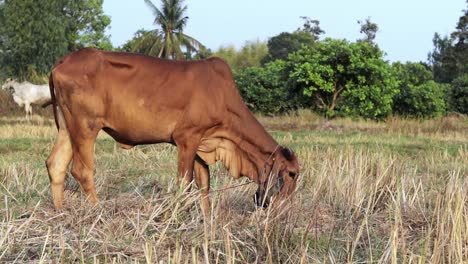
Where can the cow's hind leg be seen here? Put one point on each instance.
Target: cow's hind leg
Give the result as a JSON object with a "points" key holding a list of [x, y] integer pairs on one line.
{"points": [[83, 166], [83, 135], [202, 178], [57, 164], [30, 111]]}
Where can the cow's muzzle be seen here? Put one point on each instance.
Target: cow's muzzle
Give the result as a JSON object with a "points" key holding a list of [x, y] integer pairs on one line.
{"points": [[260, 199]]}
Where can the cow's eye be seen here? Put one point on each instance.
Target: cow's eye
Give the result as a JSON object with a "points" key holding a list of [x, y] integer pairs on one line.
{"points": [[292, 174]]}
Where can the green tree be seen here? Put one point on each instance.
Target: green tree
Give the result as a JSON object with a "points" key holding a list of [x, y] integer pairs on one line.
{"points": [[86, 24], [200, 54], [420, 95], [459, 95], [172, 20], [460, 35], [34, 34], [460, 40], [351, 78], [311, 26], [449, 59], [449, 63], [280, 46], [31, 41], [249, 55], [369, 29], [144, 42], [264, 88], [443, 59], [229, 54]]}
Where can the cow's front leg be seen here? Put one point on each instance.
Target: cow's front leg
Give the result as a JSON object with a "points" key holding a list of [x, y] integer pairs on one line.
{"points": [[202, 178], [186, 156], [26, 109], [187, 145]]}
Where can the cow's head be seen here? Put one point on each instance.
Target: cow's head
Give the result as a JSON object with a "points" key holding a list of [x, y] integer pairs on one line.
{"points": [[8, 85], [280, 181]]}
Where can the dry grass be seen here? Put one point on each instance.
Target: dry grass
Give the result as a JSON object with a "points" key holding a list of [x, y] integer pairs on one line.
{"points": [[455, 125], [393, 192]]}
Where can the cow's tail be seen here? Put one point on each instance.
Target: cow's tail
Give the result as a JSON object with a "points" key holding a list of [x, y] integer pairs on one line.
{"points": [[52, 99], [47, 103]]}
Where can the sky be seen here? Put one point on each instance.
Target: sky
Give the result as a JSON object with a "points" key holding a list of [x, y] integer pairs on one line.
{"points": [[406, 27]]}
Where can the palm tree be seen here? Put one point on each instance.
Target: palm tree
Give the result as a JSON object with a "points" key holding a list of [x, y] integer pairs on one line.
{"points": [[172, 21], [147, 42]]}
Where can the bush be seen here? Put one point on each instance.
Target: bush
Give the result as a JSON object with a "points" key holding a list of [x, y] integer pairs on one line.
{"points": [[420, 95], [458, 96], [263, 88]]}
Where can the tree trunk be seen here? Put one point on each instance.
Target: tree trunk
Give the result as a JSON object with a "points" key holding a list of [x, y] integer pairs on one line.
{"points": [[336, 93], [161, 51]]}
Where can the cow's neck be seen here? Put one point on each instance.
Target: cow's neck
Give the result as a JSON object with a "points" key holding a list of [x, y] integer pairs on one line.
{"points": [[252, 138], [18, 87]]}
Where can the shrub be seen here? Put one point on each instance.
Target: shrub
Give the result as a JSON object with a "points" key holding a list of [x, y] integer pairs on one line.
{"points": [[458, 96], [420, 95], [263, 88]]}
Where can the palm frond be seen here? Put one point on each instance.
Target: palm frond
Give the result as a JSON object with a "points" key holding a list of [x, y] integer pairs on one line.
{"points": [[192, 42], [176, 44], [153, 8], [170, 17], [148, 43]]}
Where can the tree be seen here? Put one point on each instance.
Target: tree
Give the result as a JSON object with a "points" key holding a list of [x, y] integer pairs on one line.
{"points": [[459, 95], [147, 42], [443, 59], [264, 89], [200, 54], [343, 77], [449, 62], [86, 24], [172, 20], [311, 26], [250, 54], [229, 54], [369, 29], [449, 58], [460, 40], [280, 46], [460, 35], [31, 42], [419, 95]]}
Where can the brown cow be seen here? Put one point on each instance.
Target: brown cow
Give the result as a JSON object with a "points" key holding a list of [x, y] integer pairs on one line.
{"points": [[144, 100]]}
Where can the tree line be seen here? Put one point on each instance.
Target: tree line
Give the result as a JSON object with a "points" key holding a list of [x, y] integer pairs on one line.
{"points": [[337, 77], [297, 69]]}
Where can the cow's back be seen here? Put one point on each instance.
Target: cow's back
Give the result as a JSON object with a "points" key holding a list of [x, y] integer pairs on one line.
{"points": [[143, 99]]}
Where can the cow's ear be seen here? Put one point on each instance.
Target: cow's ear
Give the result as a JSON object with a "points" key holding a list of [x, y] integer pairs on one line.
{"points": [[287, 153]]}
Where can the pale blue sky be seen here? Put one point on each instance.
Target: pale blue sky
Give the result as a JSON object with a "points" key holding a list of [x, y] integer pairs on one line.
{"points": [[406, 26]]}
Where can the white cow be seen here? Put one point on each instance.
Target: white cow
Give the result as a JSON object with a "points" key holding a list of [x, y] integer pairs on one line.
{"points": [[26, 93]]}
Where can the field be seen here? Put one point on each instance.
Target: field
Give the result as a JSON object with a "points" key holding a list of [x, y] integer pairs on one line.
{"points": [[388, 192]]}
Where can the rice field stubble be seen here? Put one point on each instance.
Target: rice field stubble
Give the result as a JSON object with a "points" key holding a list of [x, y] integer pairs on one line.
{"points": [[392, 192]]}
